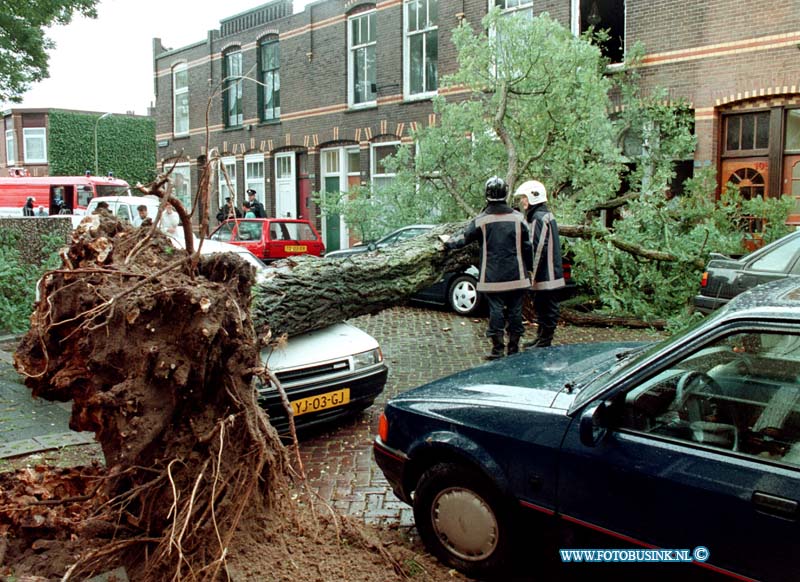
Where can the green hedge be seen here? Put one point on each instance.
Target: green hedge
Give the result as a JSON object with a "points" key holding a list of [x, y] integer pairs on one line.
{"points": [[125, 145]]}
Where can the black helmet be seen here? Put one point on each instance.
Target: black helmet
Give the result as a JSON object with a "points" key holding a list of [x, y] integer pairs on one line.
{"points": [[496, 189]]}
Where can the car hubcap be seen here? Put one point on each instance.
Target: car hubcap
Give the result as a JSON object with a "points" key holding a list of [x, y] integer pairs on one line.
{"points": [[464, 296], [465, 524]]}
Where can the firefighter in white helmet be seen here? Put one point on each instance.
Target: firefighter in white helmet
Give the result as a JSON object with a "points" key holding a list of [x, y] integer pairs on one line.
{"points": [[548, 270]]}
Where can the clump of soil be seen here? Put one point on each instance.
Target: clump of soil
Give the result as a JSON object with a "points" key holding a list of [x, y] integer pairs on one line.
{"points": [[156, 349]]}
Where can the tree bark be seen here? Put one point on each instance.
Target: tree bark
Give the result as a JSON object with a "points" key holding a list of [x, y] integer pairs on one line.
{"points": [[587, 232], [306, 293]]}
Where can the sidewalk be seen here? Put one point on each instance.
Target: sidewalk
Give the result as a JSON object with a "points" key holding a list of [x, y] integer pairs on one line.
{"points": [[28, 425]]}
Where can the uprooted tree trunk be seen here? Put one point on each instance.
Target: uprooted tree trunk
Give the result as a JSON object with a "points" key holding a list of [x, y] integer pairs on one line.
{"points": [[310, 293], [157, 350]]}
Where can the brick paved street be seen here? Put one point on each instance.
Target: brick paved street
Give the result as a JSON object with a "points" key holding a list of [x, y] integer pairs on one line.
{"points": [[419, 345]]}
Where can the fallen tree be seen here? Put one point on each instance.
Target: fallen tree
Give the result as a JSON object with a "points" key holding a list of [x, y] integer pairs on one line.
{"points": [[156, 349]]}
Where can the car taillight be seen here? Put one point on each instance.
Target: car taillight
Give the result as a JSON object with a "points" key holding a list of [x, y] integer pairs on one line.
{"points": [[383, 427], [567, 268], [704, 280]]}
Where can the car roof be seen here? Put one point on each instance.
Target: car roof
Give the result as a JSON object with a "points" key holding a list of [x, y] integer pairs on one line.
{"points": [[146, 200], [774, 300]]}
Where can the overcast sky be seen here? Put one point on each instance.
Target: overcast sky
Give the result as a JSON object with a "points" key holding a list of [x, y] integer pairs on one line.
{"points": [[106, 64]]}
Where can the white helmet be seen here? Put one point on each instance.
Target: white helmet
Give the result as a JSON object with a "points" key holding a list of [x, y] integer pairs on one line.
{"points": [[534, 191]]}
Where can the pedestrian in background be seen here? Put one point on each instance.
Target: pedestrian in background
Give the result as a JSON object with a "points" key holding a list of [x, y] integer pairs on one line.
{"points": [[228, 211], [505, 262], [169, 220], [27, 210], [548, 268], [254, 205], [141, 211]]}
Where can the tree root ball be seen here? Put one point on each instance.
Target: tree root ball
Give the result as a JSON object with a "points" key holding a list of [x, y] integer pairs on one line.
{"points": [[156, 350]]}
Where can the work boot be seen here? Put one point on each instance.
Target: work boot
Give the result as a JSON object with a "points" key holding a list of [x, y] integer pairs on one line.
{"points": [[545, 339], [513, 344], [534, 343], [497, 348]]}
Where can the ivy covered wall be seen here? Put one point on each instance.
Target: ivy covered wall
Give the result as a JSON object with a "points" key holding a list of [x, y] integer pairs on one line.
{"points": [[125, 145]]}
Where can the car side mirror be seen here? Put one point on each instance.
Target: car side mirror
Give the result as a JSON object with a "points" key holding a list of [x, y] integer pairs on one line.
{"points": [[372, 246], [593, 425]]}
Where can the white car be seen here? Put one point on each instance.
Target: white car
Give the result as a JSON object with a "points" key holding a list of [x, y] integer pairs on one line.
{"points": [[123, 207], [328, 374]]}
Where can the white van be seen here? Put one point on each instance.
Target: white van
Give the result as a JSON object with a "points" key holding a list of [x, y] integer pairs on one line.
{"points": [[124, 207]]}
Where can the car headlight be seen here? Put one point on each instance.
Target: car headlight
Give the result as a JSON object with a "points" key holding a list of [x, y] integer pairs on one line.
{"points": [[367, 359]]}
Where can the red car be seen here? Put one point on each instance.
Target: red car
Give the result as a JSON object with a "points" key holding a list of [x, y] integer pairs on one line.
{"points": [[271, 238]]}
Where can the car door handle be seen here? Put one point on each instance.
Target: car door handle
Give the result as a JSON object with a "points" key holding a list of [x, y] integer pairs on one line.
{"points": [[774, 505]]}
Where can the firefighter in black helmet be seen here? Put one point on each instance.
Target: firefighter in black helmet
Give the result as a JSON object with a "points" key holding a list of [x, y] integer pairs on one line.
{"points": [[505, 263]]}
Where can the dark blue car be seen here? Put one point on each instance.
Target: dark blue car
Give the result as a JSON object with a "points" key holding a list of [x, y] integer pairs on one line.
{"points": [[690, 444]]}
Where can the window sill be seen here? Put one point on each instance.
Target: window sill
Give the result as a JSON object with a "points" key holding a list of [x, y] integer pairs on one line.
{"points": [[419, 97], [745, 153], [236, 128], [362, 107], [180, 136], [269, 122], [35, 162]]}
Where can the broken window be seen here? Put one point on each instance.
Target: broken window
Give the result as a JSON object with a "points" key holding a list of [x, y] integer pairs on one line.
{"points": [[607, 16]]}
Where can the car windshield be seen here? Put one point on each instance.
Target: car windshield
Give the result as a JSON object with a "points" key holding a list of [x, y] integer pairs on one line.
{"points": [[112, 190], [590, 387]]}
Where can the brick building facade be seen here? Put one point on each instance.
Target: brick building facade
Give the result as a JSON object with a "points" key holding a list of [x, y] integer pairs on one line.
{"points": [[327, 92], [27, 133], [24, 147]]}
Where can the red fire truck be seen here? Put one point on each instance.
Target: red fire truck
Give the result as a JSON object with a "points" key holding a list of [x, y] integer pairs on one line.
{"points": [[56, 194]]}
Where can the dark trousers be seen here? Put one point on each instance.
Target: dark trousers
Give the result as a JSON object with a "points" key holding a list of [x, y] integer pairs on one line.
{"points": [[505, 308], [545, 303]]}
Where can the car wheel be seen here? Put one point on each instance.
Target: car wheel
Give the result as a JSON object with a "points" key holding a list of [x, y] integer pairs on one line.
{"points": [[461, 519], [462, 295]]}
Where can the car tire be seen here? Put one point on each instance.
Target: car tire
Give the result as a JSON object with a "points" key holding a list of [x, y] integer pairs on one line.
{"points": [[462, 520], [462, 295]]}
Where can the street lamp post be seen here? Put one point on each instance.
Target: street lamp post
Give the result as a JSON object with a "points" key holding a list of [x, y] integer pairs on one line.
{"points": [[96, 123]]}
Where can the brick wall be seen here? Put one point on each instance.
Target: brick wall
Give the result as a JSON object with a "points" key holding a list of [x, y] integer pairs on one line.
{"points": [[712, 53]]}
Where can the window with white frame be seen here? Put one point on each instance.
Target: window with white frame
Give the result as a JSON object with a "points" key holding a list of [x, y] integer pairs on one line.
{"points": [[421, 48], [181, 182], [227, 179], [35, 145], [11, 148], [254, 175], [232, 92], [361, 41], [269, 56], [381, 175], [180, 100], [522, 7]]}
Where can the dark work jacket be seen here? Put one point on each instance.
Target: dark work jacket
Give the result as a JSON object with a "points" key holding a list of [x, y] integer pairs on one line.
{"points": [[27, 210], [548, 268], [505, 248], [258, 209]]}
